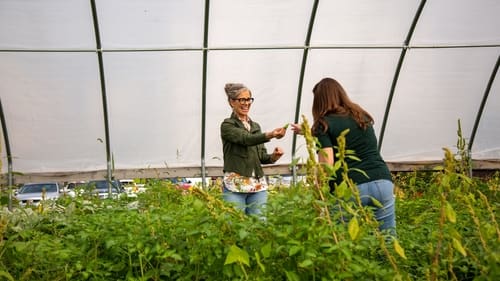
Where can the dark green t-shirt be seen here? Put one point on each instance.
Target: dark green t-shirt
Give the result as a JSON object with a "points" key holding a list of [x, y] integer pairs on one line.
{"points": [[364, 145]]}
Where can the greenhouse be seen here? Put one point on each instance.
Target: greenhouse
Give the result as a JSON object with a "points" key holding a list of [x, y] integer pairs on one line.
{"points": [[124, 89], [138, 85]]}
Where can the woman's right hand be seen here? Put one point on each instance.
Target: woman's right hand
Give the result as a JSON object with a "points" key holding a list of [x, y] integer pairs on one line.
{"points": [[297, 128], [279, 132]]}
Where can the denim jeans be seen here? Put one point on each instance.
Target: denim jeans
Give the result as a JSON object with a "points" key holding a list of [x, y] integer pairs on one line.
{"points": [[251, 203], [383, 192]]}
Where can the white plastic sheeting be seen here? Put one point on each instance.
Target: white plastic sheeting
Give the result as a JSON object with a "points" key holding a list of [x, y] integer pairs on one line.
{"points": [[153, 70]]}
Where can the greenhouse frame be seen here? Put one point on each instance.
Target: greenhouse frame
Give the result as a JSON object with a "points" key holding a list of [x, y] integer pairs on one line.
{"points": [[135, 89]]}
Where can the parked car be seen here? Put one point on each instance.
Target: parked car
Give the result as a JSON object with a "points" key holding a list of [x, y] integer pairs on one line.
{"points": [[73, 188], [101, 188], [33, 193], [131, 187], [181, 183]]}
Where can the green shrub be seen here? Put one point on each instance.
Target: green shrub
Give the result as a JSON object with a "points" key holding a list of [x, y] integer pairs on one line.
{"points": [[447, 230]]}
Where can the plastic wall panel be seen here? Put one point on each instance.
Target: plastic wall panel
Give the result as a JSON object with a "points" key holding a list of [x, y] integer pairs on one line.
{"points": [[365, 74], [47, 24], [436, 88], [53, 106], [241, 23], [53, 109], [127, 24], [155, 120], [271, 76], [458, 22], [361, 23]]}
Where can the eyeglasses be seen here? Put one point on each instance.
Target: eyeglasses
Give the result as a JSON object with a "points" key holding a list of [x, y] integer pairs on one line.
{"points": [[242, 100]]}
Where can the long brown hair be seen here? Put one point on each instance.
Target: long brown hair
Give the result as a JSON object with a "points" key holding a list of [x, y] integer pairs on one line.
{"points": [[331, 98]]}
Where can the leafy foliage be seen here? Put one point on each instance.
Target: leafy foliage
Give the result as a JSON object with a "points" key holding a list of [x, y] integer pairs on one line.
{"points": [[447, 230]]}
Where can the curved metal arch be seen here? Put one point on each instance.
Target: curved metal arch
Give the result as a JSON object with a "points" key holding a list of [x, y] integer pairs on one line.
{"points": [[7, 152], [398, 71], [204, 93], [205, 51], [99, 51], [483, 103], [301, 80]]}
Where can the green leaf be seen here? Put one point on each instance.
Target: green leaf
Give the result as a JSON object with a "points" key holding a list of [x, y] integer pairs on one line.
{"points": [[292, 276], [341, 189], [353, 157], [306, 263], [176, 257], [458, 246], [376, 202], [450, 213], [6, 275], [336, 165], [257, 258], [445, 181], [266, 250], [360, 171], [20, 246], [353, 228], [237, 255], [399, 249], [329, 169], [438, 168], [295, 161], [344, 132], [294, 250], [465, 178], [489, 230]]}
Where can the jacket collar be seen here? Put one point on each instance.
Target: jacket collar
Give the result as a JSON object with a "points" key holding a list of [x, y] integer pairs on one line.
{"points": [[240, 123], [234, 116]]}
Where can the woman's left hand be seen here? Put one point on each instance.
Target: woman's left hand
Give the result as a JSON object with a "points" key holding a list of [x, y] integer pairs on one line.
{"points": [[297, 128], [277, 153]]}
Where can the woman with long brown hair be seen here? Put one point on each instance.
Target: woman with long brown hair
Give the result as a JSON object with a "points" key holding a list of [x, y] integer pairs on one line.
{"points": [[333, 112]]}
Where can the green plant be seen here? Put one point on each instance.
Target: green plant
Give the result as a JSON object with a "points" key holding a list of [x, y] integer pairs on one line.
{"points": [[447, 230], [464, 160]]}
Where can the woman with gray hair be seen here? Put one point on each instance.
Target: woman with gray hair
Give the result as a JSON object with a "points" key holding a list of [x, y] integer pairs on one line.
{"points": [[243, 142]]}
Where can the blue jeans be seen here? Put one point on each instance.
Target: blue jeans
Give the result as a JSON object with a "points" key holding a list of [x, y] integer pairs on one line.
{"points": [[383, 192], [251, 203]]}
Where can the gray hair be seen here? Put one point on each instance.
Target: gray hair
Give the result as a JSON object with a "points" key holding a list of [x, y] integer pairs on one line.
{"points": [[233, 90]]}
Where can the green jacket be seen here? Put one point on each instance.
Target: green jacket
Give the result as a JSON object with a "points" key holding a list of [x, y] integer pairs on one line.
{"points": [[244, 151]]}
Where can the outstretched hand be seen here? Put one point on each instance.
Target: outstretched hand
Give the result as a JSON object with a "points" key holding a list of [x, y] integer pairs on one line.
{"points": [[279, 132], [297, 128]]}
